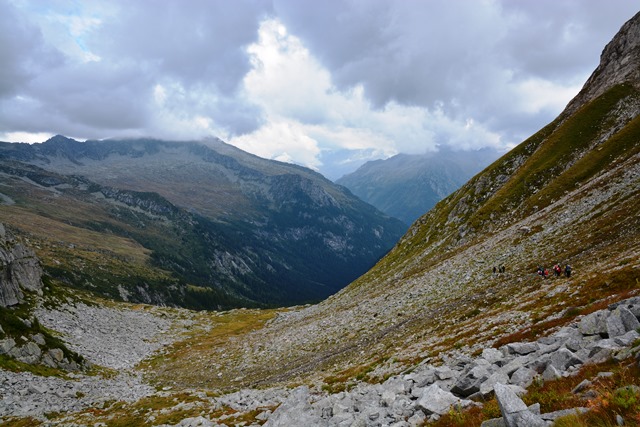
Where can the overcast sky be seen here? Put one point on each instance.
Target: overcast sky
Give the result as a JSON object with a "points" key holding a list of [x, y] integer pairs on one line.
{"points": [[326, 84]]}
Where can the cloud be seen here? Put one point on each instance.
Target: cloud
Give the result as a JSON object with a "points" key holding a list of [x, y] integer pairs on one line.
{"points": [[321, 83]]}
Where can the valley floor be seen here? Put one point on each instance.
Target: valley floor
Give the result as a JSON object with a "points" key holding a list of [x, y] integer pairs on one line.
{"points": [[150, 369]]}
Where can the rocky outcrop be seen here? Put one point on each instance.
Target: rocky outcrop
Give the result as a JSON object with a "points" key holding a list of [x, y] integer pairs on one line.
{"points": [[20, 270], [619, 63]]}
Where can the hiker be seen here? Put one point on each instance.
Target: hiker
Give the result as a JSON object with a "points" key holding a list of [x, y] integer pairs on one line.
{"points": [[502, 269], [494, 269], [557, 270], [567, 271]]}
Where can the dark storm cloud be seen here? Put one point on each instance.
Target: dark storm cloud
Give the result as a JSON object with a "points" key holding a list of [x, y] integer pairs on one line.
{"points": [[466, 57]]}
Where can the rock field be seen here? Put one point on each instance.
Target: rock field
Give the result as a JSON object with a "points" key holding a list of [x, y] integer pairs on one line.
{"points": [[119, 338]]}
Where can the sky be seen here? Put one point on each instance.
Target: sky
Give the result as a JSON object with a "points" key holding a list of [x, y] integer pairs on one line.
{"points": [[326, 84]]}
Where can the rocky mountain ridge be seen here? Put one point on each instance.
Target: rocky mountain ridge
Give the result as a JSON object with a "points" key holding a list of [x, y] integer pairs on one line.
{"points": [[227, 228]]}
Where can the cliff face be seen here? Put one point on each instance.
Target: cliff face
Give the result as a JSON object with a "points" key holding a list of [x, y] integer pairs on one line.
{"points": [[19, 269], [619, 63]]}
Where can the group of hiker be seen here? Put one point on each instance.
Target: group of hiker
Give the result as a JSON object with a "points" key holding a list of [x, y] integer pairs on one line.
{"points": [[557, 271]]}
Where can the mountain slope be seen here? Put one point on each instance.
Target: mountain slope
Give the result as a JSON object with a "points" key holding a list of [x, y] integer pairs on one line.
{"points": [[570, 194], [244, 228], [406, 186]]}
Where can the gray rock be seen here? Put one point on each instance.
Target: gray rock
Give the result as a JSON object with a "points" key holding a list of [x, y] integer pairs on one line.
{"points": [[551, 373], [552, 416], [621, 321], [486, 388], [563, 358], [470, 381], [444, 373], [516, 364], [56, 354], [585, 384], [495, 422], [7, 345], [514, 411], [627, 339], [20, 270], [603, 350], [523, 377], [434, 400], [492, 355], [522, 348], [296, 410], [594, 323]]}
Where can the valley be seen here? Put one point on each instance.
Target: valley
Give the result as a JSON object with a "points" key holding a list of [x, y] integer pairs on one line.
{"points": [[160, 307]]}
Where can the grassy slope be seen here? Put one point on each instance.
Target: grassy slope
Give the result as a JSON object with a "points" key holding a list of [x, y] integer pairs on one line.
{"points": [[435, 292]]}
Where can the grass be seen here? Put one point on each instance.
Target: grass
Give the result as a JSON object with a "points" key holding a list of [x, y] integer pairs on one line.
{"points": [[20, 422], [189, 363]]}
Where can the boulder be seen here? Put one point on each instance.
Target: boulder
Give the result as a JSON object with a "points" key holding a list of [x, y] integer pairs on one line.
{"points": [[522, 348], [523, 377], [434, 400], [469, 383], [514, 411], [594, 323], [621, 321], [564, 358]]}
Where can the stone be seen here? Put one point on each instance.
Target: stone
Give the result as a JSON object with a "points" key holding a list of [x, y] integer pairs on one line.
{"points": [[621, 321], [494, 422], [20, 270], [492, 355], [515, 364], [523, 377], [594, 323], [551, 373], [602, 351], [417, 419], [522, 348], [470, 381], [563, 358], [627, 339], [444, 373], [585, 384], [434, 400], [514, 411], [7, 345], [56, 354], [552, 416], [38, 339], [486, 388]]}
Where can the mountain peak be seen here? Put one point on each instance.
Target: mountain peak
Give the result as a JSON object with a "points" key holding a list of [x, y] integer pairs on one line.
{"points": [[619, 63]]}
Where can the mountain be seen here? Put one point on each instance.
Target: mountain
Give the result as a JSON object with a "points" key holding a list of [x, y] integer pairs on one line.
{"points": [[569, 194], [406, 186], [197, 224], [431, 335]]}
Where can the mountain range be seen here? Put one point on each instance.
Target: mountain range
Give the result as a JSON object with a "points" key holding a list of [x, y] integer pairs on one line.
{"points": [[406, 186], [435, 333], [203, 225]]}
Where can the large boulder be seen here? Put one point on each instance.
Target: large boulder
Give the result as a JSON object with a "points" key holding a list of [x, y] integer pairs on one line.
{"points": [[20, 270], [514, 411], [434, 400]]}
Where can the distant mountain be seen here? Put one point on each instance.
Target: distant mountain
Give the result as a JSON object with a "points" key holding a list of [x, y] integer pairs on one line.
{"points": [[226, 227], [406, 186]]}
